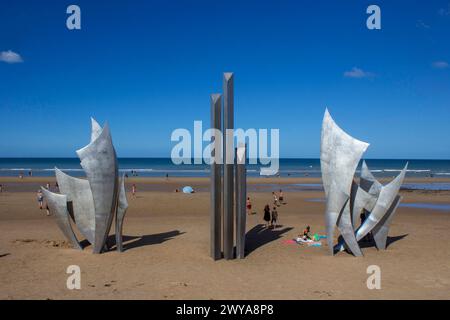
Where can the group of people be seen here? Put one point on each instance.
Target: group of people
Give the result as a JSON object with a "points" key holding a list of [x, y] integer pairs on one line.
{"points": [[271, 216], [278, 199]]}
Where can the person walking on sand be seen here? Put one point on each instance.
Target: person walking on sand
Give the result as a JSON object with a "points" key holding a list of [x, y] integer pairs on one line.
{"points": [[267, 215], [40, 199], [133, 190], [249, 206], [273, 222], [280, 197], [275, 199]]}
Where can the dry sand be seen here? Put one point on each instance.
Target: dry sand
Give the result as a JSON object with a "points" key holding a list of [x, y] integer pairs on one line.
{"points": [[167, 250]]}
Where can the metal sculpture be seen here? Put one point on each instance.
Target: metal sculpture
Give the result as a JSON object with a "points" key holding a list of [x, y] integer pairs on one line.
{"points": [[234, 179], [345, 199], [91, 203], [216, 178], [228, 154]]}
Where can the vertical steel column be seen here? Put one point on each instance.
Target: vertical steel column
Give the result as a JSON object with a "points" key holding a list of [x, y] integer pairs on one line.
{"points": [[241, 199], [228, 155], [216, 183]]}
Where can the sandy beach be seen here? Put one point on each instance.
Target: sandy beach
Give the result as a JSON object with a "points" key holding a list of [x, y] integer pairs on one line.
{"points": [[167, 249]]}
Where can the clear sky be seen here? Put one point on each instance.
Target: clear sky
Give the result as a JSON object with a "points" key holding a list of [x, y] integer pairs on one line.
{"points": [[148, 67]]}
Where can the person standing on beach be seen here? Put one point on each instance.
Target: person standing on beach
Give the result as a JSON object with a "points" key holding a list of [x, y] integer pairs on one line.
{"points": [[249, 206], [133, 190], [273, 222], [40, 199], [275, 199], [1, 188], [280, 197], [267, 215]]}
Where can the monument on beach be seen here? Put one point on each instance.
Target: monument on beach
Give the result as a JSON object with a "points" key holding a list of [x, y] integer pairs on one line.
{"points": [[91, 204], [347, 201], [233, 187]]}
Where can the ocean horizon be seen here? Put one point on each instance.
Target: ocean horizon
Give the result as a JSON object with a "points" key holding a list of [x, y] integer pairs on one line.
{"points": [[160, 167]]}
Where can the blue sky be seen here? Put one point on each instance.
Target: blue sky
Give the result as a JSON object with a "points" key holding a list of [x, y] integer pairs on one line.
{"points": [[148, 67]]}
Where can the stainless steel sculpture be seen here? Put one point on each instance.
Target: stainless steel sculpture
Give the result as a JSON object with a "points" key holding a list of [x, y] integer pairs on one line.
{"points": [[216, 179], [339, 157], [241, 199], [95, 201], [122, 207], [228, 154], [345, 199], [234, 179], [57, 203]]}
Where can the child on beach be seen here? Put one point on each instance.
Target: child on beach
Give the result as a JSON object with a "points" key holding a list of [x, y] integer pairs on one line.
{"points": [[249, 205], [267, 215], [274, 217], [133, 190], [40, 199]]}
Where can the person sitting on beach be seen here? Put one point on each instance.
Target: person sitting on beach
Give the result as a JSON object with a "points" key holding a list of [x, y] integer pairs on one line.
{"points": [[306, 232], [40, 199], [274, 217], [249, 205], [267, 215]]}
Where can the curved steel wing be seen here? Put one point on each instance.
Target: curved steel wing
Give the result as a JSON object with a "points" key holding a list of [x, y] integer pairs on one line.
{"points": [[57, 204], [385, 200], [79, 195], [380, 231], [339, 157], [98, 159], [122, 207], [96, 129]]}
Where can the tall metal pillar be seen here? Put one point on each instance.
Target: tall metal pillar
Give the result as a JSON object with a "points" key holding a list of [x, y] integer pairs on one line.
{"points": [[228, 155], [241, 199], [216, 177]]}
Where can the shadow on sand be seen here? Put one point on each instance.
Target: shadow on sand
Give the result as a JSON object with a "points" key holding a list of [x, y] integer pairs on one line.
{"points": [[130, 242], [371, 243], [259, 236]]}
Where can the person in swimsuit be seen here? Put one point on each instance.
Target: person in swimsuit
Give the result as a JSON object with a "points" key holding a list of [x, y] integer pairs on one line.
{"points": [[249, 205], [40, 199], [275, 199], [133, 190], [306, 232], [280, 196]]}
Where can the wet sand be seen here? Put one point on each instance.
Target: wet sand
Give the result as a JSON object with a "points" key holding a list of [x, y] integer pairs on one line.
{"points": [[167, 249]]}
